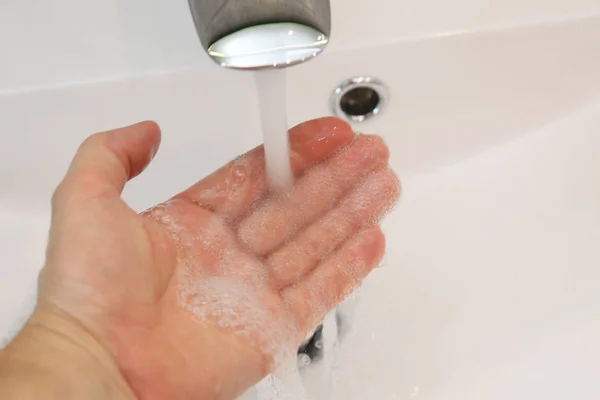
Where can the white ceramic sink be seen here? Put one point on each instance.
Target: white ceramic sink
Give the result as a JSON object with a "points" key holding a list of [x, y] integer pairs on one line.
{"points": [[491, 288]]}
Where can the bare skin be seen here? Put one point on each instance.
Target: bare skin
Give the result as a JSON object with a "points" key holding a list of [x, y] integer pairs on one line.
{"points": [[201, 296]]}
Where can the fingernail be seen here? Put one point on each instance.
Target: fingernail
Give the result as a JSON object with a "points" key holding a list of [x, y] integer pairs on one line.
{"points": [[153, 151], [383, 261]]}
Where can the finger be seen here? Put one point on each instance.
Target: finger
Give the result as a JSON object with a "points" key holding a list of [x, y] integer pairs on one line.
{"points": [[312, 298], [106, 161], [278, 219], [232, 189], [364, 206]]}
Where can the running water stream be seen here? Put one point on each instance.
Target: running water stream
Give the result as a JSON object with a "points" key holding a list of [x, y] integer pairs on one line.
{"points": [[271, 89], [286, 383]]}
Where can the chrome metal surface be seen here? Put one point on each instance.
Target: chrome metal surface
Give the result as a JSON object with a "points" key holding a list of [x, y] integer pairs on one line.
{"points": [[242, 27], [359, 98]]}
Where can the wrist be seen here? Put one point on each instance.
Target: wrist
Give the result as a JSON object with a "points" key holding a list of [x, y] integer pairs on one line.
{"points": [[55, 357]]}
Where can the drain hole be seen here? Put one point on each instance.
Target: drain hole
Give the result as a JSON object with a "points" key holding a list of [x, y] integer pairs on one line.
{"points": [[361, 101], [360, 98]]}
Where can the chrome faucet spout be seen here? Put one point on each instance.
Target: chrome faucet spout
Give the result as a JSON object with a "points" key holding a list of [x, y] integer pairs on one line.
{"points": [[250, 34]]}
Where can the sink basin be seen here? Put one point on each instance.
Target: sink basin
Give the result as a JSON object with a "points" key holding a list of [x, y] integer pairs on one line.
{"points": [[491, 289]]}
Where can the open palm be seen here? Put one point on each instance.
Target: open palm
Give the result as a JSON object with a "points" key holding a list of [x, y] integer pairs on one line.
{"points": [[206, 292]]}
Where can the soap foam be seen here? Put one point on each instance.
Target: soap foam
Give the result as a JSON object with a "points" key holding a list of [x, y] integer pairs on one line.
{"points": [[228, 292]]}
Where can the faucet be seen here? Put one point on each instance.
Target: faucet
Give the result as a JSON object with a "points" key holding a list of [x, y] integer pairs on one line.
{"points": [[262, 34]]}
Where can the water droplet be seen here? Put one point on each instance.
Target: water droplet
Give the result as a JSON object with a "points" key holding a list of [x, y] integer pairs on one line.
{"points": [[415, 391], [303, 360]]}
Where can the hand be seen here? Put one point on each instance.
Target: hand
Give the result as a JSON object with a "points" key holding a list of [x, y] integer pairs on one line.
{"points": [[201, 296]]}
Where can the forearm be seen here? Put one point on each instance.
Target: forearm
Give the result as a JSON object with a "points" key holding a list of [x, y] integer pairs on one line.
{"points": [[53, 358]]}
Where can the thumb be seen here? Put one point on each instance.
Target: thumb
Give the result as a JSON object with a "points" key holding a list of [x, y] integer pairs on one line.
{"points": [[105, 161]]}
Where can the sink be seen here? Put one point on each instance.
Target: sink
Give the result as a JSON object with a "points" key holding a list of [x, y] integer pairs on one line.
{"points": [[491, 289]]}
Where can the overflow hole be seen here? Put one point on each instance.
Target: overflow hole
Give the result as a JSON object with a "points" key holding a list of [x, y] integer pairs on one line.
{"points": [[359, 101], [360, 98]]}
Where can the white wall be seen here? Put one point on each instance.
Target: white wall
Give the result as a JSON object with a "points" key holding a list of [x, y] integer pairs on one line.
{"points": [[48, 42]]}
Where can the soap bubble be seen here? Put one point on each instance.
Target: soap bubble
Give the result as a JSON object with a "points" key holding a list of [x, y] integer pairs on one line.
{"points": [[303, 360]]}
